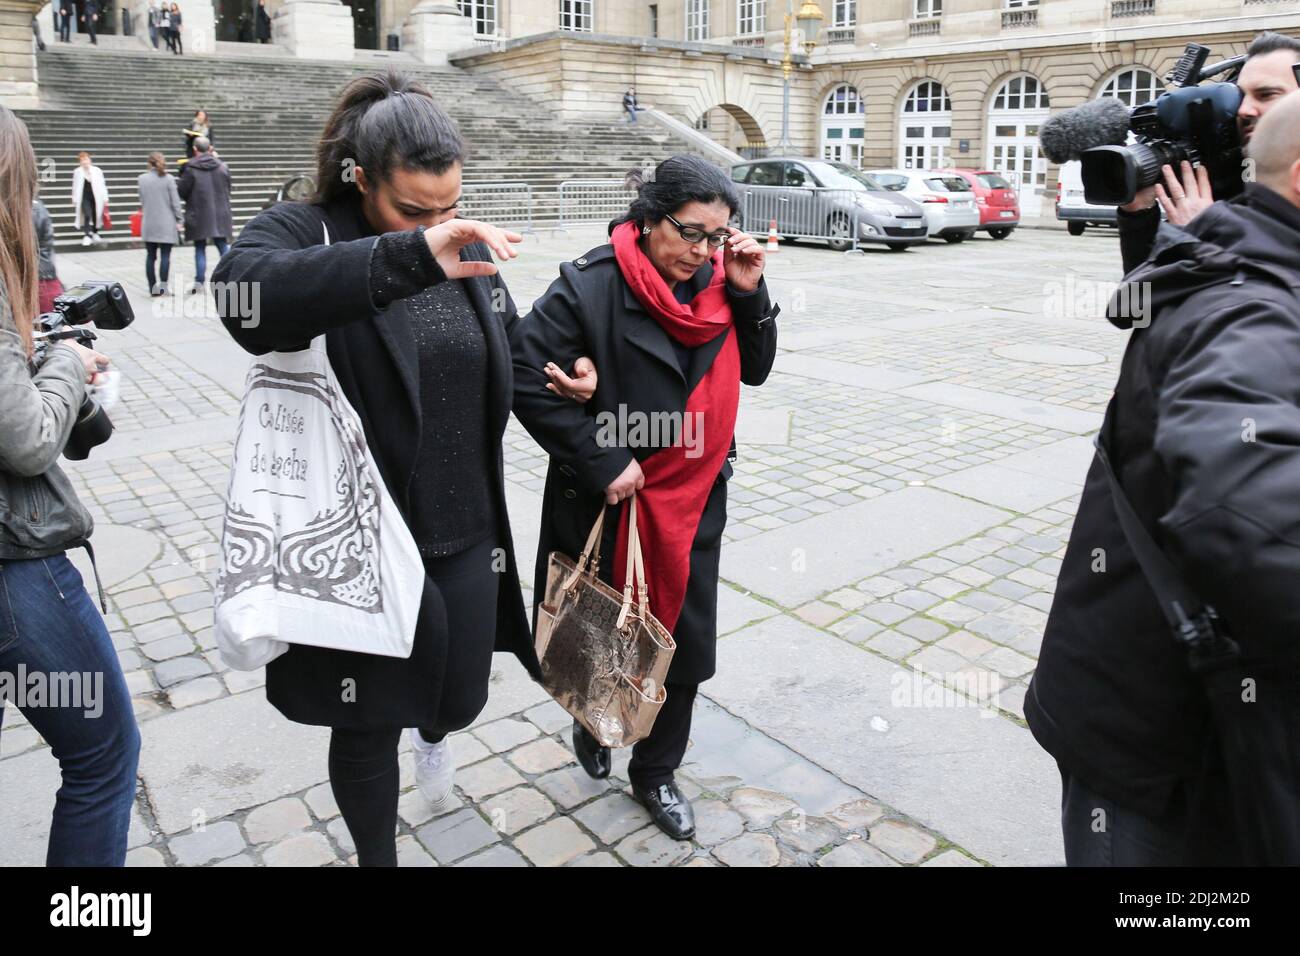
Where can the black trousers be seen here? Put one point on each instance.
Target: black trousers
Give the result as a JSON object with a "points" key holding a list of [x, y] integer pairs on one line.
{"points": [[1100, 832], [89, 221], [656, 757], [363, 763]]}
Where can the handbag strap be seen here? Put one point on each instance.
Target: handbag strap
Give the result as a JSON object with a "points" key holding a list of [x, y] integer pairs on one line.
{"points": [[590, 553], [1195, 624], [635, 574]]}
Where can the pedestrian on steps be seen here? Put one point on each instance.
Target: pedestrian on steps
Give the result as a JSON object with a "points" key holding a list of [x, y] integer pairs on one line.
{"points": [[177, 46], [89, 198], [161, 220], [205, 187]]}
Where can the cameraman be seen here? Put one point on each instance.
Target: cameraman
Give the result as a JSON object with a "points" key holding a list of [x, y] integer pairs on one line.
{"points": [[1265, 78], [1204, 436], [49, 627]]}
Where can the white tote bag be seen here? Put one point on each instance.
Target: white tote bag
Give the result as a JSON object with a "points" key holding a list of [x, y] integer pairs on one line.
{"points": [[313, 548]]}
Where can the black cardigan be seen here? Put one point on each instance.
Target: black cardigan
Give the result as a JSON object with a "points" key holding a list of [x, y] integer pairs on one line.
{"points": [[304, 289]]}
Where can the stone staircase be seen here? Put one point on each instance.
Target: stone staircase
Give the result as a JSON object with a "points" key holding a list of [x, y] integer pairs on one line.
{"points": [[267, 113]]}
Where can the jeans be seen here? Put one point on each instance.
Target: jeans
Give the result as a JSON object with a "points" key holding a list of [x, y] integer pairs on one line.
{"points": [[50, 628], [163, 250], [201, 256], [1100, 832]]}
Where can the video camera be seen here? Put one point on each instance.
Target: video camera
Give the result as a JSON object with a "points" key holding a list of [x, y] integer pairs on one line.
{"points": [[1196, 122], [104, 305]]}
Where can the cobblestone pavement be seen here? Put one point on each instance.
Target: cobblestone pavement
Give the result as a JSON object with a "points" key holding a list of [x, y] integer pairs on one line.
{"points": [[906, 482]]}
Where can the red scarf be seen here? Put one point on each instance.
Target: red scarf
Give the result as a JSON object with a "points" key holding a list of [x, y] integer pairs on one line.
{"points": [[676, 488]]}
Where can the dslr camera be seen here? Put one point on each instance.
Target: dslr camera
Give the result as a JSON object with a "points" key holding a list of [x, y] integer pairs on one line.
{"points": [[105, 306]]}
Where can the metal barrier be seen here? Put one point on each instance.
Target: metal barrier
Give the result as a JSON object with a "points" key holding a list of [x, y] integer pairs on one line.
{"points": [[593, 200], [502, 204], [802, 213]]}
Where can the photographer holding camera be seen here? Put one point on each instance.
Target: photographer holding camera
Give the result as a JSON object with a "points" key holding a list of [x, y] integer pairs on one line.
{"points": [[1266, 77], [1168, 686], [49, 627]]}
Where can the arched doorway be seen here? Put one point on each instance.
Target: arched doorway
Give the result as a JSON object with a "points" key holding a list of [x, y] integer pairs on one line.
{"points": [[735, 128], [843, 125], [925, 127], [1018, 109]]}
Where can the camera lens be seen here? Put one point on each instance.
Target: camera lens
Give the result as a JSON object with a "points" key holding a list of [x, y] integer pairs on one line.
{"points": [[93, 428]]}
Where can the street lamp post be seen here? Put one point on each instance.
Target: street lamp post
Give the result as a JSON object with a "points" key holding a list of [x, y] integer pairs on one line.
{"points": [[809, 18]]}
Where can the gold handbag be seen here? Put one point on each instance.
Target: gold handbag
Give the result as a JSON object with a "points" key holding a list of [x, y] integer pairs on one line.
{"points": [[604, 657]]}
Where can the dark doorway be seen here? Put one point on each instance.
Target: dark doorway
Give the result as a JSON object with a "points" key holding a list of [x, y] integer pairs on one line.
{"points": [[235, 20], [110, 19], [365, 23]]}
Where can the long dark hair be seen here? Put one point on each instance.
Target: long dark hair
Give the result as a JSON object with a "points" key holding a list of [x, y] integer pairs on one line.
{"points": [[675, 182], [18, 251], [381, 122]]}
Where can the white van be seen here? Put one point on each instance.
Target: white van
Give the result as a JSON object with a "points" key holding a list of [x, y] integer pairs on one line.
{"points": [[1073, 209]]}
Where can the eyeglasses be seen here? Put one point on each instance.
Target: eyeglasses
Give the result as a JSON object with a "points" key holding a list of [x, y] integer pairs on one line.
{"points": [[693, 234]]}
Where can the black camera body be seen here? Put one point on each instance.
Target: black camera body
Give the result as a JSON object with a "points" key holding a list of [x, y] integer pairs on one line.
{"points": [[1196, 122], [99, 303]]}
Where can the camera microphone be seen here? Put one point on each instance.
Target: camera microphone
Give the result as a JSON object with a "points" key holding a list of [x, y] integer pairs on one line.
{"points": [[1100, 122]]}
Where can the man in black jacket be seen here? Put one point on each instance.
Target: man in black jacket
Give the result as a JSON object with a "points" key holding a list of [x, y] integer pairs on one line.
{"points": [[1266, 77], [1204, 436]]}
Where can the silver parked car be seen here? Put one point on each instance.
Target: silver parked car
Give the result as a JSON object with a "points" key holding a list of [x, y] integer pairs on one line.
{"points": [[949, 204], [817, 199]]}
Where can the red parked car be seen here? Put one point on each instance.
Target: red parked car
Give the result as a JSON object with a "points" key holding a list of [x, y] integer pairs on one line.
{"points": [[995, 197]]}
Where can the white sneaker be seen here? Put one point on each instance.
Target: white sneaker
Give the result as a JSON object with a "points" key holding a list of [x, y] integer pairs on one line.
{"points": [[434, 768], [85, 240]]}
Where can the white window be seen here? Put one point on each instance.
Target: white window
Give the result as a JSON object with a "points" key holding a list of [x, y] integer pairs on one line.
{"points": [[1017, 112], [843, 125], [1018, 4], [928, 97], [697, 20], [1021, 93], [927, 9], [751, 16], [845, 13], [925, 127], [576, 15], [1133, 86], [484, 14]]}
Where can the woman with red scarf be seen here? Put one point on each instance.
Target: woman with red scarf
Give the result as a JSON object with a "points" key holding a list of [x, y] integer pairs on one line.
{"points": [[675, 314]]}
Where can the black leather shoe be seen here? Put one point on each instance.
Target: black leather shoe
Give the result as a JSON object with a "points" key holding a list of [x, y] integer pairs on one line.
{"points": [[669, 809], [594, 758]]}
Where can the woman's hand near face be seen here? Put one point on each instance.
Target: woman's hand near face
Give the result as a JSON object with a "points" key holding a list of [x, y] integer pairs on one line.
{"points": [[580, 387], [448, 238], [742, 260], [625, 484]]}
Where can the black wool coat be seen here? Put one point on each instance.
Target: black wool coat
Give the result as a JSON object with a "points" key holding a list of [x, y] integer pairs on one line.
{"points": [[591, 310], [307, 288], [205, 187], [1113, 698]]}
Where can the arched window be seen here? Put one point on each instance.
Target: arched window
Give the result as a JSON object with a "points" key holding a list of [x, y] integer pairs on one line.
{"points": [[1021, 93], [925, 127], [843, 125], [1133, 86]]}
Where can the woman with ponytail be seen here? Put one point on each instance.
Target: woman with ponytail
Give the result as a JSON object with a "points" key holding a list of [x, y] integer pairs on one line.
{"points": [[161, 220], [416, 322], [675, 313]]}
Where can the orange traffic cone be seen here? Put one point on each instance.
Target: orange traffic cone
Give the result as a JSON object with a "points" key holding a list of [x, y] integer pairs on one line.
{"points": [[772, 242]]}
